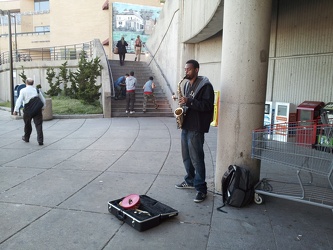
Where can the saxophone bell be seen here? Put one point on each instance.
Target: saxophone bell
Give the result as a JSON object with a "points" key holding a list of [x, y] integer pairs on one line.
{"points": [[178, 112]]}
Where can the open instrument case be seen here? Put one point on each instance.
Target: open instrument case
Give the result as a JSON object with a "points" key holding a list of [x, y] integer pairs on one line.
{"points": [[150, 213]]}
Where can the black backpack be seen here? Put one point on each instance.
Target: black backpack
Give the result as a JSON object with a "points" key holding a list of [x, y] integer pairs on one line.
{"points": [[237, 187]]}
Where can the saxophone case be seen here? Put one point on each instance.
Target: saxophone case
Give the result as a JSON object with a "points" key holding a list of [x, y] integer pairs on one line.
{"points": [[147, 214]]}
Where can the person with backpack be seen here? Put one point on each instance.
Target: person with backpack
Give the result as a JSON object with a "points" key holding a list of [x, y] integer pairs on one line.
{"points": [[198, 99], [29, 96], [138, 46]]}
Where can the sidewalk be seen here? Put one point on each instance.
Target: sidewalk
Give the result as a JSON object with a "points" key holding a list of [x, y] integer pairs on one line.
{"points": [[55, 196]]}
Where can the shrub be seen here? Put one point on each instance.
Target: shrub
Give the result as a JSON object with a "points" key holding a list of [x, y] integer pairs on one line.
{"points": [[54, 87], [83, 81]]}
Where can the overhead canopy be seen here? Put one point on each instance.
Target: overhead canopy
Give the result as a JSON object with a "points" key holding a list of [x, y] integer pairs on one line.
{"points": [[106, 5], [106, 42]]}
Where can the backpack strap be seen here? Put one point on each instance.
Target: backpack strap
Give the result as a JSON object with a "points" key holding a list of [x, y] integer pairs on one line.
{"points": [[226, 178]]}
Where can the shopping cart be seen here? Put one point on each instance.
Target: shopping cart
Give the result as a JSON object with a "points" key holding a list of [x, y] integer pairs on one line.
{"points": [[301, 162]]}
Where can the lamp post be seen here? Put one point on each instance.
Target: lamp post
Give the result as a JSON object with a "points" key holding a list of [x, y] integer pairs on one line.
{"points": [[11, 70], [15, 33]]}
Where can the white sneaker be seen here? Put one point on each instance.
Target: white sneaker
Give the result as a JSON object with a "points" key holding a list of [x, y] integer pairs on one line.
{"points": [[126, 111], [132, 112]]}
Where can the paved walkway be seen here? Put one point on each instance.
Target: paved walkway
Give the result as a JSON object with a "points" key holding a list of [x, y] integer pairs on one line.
{"points": [[55, 196]]}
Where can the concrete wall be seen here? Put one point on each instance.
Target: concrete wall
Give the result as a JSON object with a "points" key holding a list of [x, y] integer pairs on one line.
{"points": [[301, 51], [208, 54], [196, 16], [165, 49], [37, 70], [33, 69], [85, 21], [168, 53], [300, 57]]}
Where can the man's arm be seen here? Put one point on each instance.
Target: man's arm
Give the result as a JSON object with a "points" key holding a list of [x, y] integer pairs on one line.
{"points": [[206, 103], [41, 96], [18, 103]]}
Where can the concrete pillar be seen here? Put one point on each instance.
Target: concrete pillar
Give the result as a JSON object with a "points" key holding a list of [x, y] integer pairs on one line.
{"points": [[47, 112], [246, 33]]}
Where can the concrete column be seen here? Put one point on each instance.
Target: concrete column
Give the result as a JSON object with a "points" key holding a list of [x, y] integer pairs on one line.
{"points": [[246, 33]]}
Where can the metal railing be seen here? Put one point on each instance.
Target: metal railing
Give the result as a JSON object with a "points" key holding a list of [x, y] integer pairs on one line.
{"points": [[159, 68], [68, 52]]}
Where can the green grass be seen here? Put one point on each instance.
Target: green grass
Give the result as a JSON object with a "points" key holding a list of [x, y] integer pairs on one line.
{"points": [[5, 104], [67, 106]]}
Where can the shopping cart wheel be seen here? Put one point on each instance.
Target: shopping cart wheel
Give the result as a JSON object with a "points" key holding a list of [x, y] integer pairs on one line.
{"points": [[268, 187], [258, 199]]}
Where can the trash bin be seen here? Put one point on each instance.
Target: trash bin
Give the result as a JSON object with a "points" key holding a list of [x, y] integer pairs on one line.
{"points": [[47, 112]]}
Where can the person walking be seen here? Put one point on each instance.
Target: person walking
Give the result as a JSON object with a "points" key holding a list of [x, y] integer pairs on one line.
{"points": [[121, 45], [199, 104], [138, 46], [130, 93], [148, 93], [26, 95]]}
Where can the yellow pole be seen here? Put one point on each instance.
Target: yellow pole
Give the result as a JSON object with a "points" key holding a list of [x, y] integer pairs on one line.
{"points": [[216, 108]]}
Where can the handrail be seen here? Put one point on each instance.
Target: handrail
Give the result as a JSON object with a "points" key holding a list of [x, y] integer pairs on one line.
{"points": [[153, 56], [159, 68], [110, 75], [27, 33]]}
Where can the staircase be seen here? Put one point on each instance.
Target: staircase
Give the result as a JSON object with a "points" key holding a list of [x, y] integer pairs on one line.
{"points": [[142, 73]]}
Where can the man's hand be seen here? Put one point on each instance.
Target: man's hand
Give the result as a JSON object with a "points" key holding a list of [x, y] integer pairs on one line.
{"points": [[182, 100], [14, 113]]}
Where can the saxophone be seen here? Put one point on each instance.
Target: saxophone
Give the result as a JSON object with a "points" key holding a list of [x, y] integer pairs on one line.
{"points": [[180, 111]]}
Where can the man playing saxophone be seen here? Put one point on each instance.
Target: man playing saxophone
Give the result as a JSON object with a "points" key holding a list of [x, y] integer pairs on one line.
{"points": [[199, 101]]}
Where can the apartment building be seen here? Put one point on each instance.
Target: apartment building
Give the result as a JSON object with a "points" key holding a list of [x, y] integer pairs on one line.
{"points": [[51, 23]]}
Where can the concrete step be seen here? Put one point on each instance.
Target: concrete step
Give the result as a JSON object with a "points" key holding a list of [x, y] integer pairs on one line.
{"points": [[142, 73], [139, 102], [139, 113]]}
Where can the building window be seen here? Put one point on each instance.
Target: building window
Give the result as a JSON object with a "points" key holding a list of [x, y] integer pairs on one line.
{"points": [[42, 28], [42, 5]]}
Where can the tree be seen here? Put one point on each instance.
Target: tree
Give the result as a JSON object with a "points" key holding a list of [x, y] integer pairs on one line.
{"points": [[85, 79], [22, 75], [55, 89]]}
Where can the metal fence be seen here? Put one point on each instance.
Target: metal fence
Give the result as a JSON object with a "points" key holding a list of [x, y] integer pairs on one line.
{"points": [[68, 52]]}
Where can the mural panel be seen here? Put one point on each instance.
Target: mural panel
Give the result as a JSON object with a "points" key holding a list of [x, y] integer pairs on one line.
{"points": [[131, 20]]}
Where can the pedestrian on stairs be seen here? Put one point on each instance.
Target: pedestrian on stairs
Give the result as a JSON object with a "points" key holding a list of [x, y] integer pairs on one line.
{"points": [[120, 87], [130, 93], [148, 93], [121, 45], [138, 45]]}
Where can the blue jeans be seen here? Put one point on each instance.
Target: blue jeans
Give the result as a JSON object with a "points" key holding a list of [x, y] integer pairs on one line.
{"points": [[194, 159]]}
